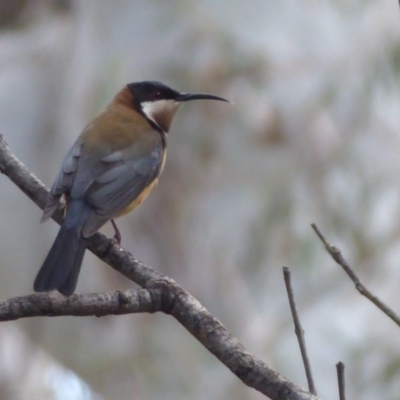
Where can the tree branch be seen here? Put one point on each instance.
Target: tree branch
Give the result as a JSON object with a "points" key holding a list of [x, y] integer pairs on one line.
{"points": [[341, 380], [299, 331], [80, 305], [336, 254], [158, 293]]}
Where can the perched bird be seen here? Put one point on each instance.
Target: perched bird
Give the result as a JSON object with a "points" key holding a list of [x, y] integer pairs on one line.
{"points": [[109, 171]]}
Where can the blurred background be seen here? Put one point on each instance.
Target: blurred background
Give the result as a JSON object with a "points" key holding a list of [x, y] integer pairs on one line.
{"points": [[313, 136]]}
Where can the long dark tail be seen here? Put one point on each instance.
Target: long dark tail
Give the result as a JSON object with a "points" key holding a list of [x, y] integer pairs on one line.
{"points": [[62, 265]]}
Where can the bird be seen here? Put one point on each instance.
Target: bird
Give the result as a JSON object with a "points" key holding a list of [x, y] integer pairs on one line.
{"points": [[109, 171]]}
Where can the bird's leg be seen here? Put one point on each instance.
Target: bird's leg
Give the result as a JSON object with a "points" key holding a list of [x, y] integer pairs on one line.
{"points": [[117, 235]]}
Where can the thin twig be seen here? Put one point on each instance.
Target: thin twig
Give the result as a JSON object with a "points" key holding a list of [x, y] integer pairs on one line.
{"points": [[299, 331], [341, 380], [337, 256]]}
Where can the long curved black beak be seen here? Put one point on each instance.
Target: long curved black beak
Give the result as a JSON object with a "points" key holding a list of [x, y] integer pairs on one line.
{"points": [[199, 96]]}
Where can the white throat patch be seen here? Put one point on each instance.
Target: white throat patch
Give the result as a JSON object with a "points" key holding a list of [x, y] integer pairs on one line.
{"points": [[160, 109]]}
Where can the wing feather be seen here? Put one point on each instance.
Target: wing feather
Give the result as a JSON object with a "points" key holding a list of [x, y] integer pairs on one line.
{"points": [[63, 181], [116, 188]]}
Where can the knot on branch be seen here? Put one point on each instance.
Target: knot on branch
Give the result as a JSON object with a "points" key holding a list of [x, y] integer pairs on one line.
{"points": [[164, 291]]}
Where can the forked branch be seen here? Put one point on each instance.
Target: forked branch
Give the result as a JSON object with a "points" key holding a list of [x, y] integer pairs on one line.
{"points": [[158, 293]]}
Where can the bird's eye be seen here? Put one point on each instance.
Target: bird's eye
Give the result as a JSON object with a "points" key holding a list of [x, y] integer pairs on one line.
{"points": [[156, 96]]}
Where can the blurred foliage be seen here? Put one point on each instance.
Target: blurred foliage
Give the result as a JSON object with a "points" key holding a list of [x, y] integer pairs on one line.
{"points": [[10, 12], [312, 136]]}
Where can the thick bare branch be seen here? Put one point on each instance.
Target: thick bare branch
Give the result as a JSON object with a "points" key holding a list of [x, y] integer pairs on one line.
{"points": [[336, 254], [162, 292], [80, 305]]}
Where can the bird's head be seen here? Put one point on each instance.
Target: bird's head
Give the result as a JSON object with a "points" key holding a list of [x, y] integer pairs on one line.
{"points": [[158, 103]]}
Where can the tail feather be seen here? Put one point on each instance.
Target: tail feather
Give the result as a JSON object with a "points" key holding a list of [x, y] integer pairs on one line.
{"points": [[69, 285], [62, 265]]}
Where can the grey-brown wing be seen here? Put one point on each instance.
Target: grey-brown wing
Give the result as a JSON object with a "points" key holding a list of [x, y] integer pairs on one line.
{"points": [[117, 187], [63, 181]]}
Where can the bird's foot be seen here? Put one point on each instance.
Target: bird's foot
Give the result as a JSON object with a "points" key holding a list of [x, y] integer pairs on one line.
{"points": [[117, 235]]}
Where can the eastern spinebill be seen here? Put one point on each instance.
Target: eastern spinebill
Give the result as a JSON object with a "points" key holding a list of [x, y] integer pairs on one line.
{"points": [[109, 171]]}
